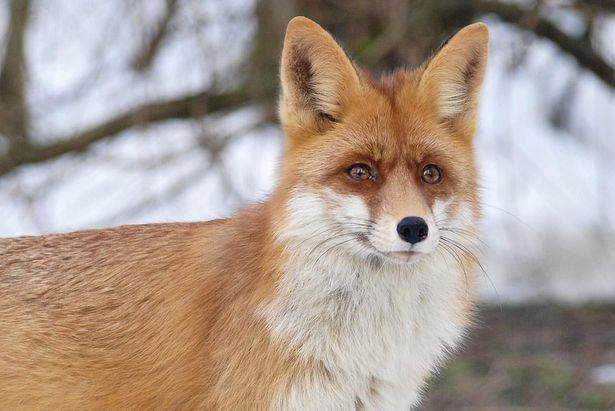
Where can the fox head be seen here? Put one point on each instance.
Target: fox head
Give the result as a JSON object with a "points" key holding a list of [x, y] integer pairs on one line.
{"points": [[381, 168]]}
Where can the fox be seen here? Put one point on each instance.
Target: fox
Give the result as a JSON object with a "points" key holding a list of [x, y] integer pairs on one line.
{"points": [[346, 289]]}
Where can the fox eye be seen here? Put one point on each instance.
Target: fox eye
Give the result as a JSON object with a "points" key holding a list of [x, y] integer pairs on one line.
{"points": [[431, 174], [360, 172]]}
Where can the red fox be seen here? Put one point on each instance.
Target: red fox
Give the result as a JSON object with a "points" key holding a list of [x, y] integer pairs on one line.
{"points": [[345, 290]]}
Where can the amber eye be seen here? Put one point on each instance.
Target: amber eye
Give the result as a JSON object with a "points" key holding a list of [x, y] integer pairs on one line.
{"points": [[431, 174], [360, 172]]}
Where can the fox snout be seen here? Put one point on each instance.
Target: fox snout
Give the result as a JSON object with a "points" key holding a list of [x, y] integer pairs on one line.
{"points": [[413, 229]]}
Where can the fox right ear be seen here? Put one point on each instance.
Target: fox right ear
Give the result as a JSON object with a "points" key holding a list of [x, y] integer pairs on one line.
{"points": [[318, 79], [453, 77]]}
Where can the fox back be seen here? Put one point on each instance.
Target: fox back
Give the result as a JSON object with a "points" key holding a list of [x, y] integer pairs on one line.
{"points": [[345, 290]]}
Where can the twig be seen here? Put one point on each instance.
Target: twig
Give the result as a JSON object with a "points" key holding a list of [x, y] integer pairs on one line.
{"points": [[191, 106]]}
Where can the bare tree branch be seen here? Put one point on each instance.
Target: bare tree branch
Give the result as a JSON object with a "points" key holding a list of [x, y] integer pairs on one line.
{"points": [[579, 48], [392, 36], [607, 5], [192, 106], [13, 110], [147, 54]]}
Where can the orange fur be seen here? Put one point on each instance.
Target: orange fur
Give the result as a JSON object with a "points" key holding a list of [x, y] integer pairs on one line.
{"points": [[167, 316]]}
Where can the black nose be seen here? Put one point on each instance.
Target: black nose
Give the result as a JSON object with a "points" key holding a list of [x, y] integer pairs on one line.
{"points": [[412, 229]]}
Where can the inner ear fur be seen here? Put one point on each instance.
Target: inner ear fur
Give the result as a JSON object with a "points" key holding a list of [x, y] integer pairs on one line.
{"points": [[318, 79], [452, 79]]}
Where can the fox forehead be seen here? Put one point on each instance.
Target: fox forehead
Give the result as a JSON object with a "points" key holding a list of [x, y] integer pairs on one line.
{"points": [[389, 122], [387, 127]]}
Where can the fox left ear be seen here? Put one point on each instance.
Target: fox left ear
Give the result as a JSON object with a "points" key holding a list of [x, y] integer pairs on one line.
{"points": [[452, 79], [319, 81]]}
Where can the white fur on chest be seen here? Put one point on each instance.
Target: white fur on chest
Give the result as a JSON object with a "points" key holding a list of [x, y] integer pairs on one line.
{"points": [[375, 331]]}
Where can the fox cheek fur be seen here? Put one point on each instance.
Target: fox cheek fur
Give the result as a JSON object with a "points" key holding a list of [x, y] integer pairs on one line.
{"points": [[345, 290]]}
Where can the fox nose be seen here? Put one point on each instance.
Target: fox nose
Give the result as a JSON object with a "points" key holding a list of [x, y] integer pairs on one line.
{"points": [[412, 229]]}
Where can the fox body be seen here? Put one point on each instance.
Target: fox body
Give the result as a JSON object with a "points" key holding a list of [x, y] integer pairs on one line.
{"points": [[345, 290]]}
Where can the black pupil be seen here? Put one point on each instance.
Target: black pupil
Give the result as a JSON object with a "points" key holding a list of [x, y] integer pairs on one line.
{"points": [[359, 171], [431, 173]]}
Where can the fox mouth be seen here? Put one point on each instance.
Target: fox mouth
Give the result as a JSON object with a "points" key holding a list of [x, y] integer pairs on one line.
{"points": [[402, 256], [406, 256]]}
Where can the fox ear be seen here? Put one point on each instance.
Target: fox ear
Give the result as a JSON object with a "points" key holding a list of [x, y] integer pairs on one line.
{"points": [[318, 79], [454, 76]]}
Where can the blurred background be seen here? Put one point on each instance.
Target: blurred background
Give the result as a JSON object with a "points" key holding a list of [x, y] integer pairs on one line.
{"points": [[122, 112]]}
